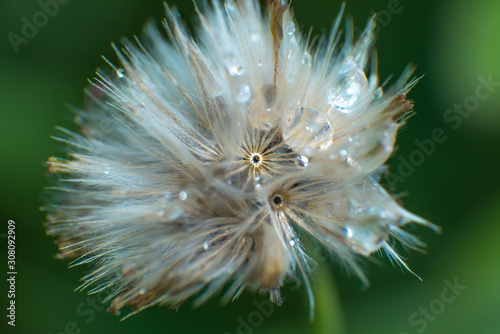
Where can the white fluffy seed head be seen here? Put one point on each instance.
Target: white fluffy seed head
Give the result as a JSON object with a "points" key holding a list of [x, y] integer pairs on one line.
{"points": [[203, 162]]}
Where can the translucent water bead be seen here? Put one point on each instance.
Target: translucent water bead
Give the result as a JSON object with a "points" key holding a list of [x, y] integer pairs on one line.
{"points": [[349, 89], [243, 94], [171, 212], [291, 28], [307, 131], [120, 73], [365, 238], [370, 147], [234, 66]]}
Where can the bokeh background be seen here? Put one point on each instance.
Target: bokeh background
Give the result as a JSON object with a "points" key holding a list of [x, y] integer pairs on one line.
{"points": [[453, 43]]}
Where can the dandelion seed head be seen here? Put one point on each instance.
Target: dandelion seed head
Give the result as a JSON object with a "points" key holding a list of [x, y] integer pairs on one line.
{"points": [[202, 161]]}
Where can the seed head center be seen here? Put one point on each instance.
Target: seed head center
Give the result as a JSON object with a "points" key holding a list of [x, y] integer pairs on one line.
{"points": [[256, 159], [277, 200]]}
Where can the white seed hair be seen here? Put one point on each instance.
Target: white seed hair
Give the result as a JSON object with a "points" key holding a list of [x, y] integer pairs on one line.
{"points": [[204, 163]]}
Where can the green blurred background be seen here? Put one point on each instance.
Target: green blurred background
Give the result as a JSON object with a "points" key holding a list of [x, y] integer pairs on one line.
{"points": [[453, 42]]}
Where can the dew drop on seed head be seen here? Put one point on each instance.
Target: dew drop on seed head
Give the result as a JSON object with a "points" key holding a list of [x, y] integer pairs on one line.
{"points": [[267, 126], [291, 28], [243, 94], [366, 239], [183, 195], [237, 70], [142, 291], [230, 7], [292, 242], [307, 59], [302, 161], [120, 73], [260, 63], [255, 36], [233, 66], [107, 170], [389, 138], [171, 213], [350, 88], [307, 130], [206, 245], [79, 120]]}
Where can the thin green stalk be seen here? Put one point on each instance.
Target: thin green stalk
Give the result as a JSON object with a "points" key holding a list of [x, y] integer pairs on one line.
{"points": [[329, 318]]}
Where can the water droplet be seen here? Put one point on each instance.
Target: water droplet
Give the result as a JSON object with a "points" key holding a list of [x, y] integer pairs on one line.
{"points": [[255, 36], [238, 70], [206, 245], [260, 63], [183, 195], [291, 76], [107, 170], [267, 126], [143, 290], [326, 144], [302, 161], [389, 137], [291, 28], [79, 120], [244, 93], [292, 242], [350, 89], [307, 59], [171, 213], [342, 153], [233, 66], [230, 7], [307, 130], [120, 73], [367, 238], [350, 161]]}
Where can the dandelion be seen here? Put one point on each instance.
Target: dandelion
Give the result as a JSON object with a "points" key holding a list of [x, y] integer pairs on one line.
{"points": [[204, 164]]}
